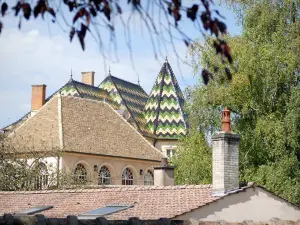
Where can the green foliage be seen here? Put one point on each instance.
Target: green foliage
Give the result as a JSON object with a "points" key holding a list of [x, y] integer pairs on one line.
{"points": [[193, 163], [264, 97]]}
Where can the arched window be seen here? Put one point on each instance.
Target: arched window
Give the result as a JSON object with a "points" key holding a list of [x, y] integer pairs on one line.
{"points": [[80, 173], [104, 176], [148, 178], [127, 177], [41, 176]]}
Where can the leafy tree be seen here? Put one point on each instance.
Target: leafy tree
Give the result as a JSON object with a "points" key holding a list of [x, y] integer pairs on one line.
{"points": [[263, 95]]}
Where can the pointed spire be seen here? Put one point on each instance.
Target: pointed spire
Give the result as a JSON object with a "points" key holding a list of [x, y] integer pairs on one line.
{"points": [[109, 73], [166, 59], [138, 79], [71, 76]]}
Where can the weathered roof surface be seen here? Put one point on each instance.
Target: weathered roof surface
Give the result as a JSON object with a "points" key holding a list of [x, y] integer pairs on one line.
{"points": [[131, 97], [82, 125], [99, 129], [76, 89], [150, 202], [164, 108]]}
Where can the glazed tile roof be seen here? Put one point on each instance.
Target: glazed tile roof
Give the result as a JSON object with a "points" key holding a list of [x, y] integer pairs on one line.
{"points": [[149, 202], [164, 108], [86, 126], [131, 97], [78, 89]]}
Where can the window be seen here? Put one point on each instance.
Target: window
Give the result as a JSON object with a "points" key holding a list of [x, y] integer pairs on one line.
{"points": [[109, 209], [41, 178], [148, 178], [80, 173], [127, 177], [170, 152], [104, 176], [34, 210]]}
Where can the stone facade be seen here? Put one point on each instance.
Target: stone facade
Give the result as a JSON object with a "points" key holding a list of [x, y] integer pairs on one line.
{"points": [[225, 162]]}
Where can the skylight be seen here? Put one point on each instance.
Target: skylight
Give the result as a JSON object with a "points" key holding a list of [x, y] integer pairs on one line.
{"points": [[34, 210], [109, 209]]}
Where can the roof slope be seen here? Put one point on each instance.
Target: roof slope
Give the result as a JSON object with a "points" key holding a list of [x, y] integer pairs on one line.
{"points": [[98, 129], [131, 97], [164, 108], [78, 89], [150, 202], [39, 132]]}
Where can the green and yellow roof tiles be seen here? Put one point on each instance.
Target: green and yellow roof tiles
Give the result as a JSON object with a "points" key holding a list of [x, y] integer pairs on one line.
{"points": [[164, 108], [78, 89], [131, 97]]}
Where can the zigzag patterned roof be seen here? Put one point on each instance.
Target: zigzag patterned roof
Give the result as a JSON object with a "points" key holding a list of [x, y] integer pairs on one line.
{"points": [[164, 108], [78, 89], [131, 97]]}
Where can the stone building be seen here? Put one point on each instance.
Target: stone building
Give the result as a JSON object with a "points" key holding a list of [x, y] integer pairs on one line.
{"points": [[225, 199], [113, 133]]}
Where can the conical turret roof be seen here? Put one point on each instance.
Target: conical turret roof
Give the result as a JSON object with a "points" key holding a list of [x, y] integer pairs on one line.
{"points": [[164, 108]]}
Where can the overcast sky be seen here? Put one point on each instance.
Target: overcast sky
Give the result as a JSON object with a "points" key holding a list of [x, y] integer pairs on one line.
{"points": [[40, 53]]}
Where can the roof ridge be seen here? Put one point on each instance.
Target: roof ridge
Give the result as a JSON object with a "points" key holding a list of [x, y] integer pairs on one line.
{"points": [[125, 81], [111, 188]]}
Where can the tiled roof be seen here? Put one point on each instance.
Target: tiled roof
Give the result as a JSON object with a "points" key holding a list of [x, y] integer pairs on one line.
{"points": [[164, 108], [150, 202], [86, 126], [78, 89], [131, 97]]}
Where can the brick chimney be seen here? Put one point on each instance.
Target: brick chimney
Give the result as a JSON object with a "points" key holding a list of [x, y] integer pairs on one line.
{"points": [[164, 174], [225, 158], [38, 96], [88, 78]]}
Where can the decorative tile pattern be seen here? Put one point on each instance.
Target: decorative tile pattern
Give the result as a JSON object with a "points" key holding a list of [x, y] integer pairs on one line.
{"points": [[131, 97], [164, 108]]}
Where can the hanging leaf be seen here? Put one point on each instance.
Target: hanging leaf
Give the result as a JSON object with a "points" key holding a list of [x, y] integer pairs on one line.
{"points": [[26, 10], [187, 43], [107, 10], [119, 9], [4, 8], [81, 35], [72, 33], [81, 12], [1, 26], [51, 11], [192, 12], [205, 18], [17, 8], [205, 76], [71, 6], [20, 23], [176, 14], [222, 27], [93, 11], [170, 10], [214, 27], [177, 3], [228, 73]]}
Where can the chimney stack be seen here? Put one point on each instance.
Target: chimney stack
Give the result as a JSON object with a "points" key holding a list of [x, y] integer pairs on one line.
{"points": [[88, 78], [38, 96], [225, 158], [164, 174]]}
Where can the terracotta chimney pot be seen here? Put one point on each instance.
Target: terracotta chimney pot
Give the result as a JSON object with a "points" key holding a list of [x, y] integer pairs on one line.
{"points": [[226, 120]]}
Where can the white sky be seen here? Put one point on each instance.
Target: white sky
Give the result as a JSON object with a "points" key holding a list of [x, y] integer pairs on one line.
{"points": [[42, 54]]}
